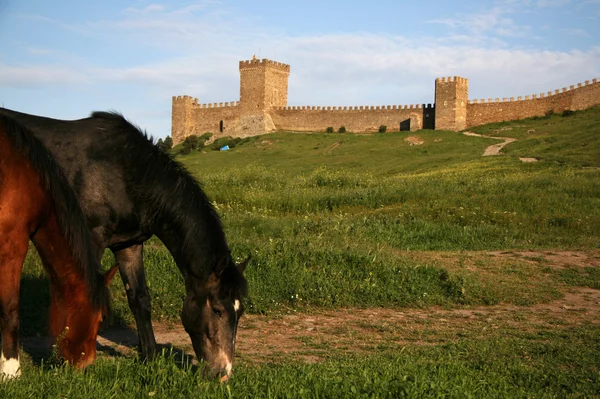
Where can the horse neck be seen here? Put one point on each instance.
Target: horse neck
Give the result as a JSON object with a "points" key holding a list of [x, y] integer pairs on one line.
{"points": [[67, 277], [196, 251]]}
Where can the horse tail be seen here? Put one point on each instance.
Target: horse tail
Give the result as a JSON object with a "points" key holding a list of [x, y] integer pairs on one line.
{"points": [[68, 211]]}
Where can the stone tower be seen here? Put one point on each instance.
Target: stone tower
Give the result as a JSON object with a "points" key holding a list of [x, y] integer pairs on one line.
{"points": [[451, 98], [182, 117], [263, 85]]}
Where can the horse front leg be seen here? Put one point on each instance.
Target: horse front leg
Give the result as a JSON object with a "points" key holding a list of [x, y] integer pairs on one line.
{"points": [[131, 268], [12, 256]]}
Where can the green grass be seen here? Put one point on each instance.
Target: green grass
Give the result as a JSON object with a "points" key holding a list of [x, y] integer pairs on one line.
{"points": [[562, 364], [344, 221], [571, 139]]}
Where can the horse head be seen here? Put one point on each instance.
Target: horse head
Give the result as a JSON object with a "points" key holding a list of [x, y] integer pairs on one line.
{"points": [[75, 321], [211, 312]]}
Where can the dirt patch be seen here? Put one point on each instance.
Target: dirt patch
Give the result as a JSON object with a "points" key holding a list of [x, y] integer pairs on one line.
{"points": [[414, 140], [332, 147], [556, 259], [495, 148], [527, 160], [315, 336]]}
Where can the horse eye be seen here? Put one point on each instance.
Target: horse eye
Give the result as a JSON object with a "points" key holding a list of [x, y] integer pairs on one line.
{"points": [[217, 312]]}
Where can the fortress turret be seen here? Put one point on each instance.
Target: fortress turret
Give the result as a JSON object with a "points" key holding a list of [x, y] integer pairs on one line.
{"points": [[182, 119], [451, 98], [263, 84]]}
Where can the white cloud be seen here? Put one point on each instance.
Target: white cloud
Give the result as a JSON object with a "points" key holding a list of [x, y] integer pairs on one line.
{"points": [[39, 75], [552, 3], [204, 44], [577, 32], [490, 23]]}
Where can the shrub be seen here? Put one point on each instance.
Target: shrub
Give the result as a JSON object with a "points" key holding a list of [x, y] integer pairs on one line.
{"points": [[342, 129], [165, 144], [382, 129], [203, 139], [223, 141], [186, 149], [191, 141], [568, 112], [329, 129]]}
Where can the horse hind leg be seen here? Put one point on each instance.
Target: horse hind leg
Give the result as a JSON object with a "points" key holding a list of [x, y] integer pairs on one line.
{"points": [[12, 256]]}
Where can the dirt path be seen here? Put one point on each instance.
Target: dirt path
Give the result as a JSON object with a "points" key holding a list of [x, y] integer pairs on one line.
{"points": [[313, 337], [495, 148], [317, 335]]}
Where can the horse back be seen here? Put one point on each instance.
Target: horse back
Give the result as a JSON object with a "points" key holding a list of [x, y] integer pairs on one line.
{"points": [[89, 151]]}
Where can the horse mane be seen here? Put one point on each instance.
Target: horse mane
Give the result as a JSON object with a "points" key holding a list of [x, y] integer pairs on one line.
{"points": [[66, 204], [175, 196]]}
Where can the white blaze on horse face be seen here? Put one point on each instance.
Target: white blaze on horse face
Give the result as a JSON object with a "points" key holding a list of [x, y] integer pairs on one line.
{"points": [[236, 305], [10, 368], [224, 359]]}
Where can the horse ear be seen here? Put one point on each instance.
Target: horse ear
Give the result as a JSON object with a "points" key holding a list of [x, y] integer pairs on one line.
{"points": [[110, 274], [242, 266]]}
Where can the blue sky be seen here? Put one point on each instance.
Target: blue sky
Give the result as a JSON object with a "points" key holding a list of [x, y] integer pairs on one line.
{"points": [[65, 59]]}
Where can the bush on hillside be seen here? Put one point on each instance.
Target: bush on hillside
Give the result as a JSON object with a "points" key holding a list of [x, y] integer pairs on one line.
{"points": [[567, 112], [342, 129], [203, 139], [223, 141], [382, 129], [165, 144], [329, 129]]}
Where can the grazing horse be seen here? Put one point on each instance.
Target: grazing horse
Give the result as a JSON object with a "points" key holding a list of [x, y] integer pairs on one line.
{"points": [[129, 190], [37, 203]]}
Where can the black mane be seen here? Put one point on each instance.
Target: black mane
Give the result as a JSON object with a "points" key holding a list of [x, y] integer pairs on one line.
{"points": [[68, 211], [175, 197]]}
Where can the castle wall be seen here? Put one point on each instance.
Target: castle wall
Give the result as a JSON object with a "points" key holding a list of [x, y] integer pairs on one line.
{"points": [[191, 118], [578, 97], [354, 119], [214, 119], [263, 108]]}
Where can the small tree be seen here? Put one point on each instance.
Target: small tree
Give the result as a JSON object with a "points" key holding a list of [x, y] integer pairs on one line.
{"points": [[191, 141], [342, 129], [382, 129], [329, 129], [165, 144], [186, 149], [568, 112], [203, 139]]}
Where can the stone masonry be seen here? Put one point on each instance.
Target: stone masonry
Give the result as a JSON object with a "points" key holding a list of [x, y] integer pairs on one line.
{"points": [[262, 108]]}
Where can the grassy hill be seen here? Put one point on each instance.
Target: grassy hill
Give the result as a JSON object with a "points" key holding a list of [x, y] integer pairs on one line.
{"points": [[345, 221], [313, 207]]}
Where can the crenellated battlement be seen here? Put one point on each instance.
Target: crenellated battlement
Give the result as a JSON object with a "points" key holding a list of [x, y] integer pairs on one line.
{"points": [[354, 107], [184, 99], [451, 79], [193, 102], [263, 63], [532, 97]]}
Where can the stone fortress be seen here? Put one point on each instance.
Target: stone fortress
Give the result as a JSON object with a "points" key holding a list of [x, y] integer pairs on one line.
{"points": [[262, 108]]}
